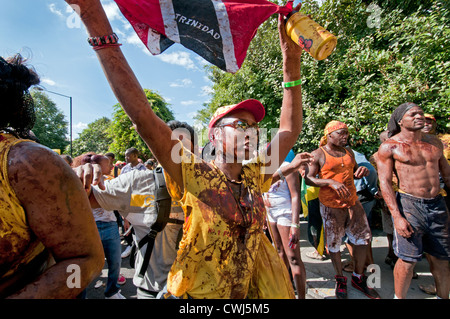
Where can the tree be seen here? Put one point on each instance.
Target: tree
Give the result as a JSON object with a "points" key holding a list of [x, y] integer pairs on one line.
{"points": [[258, 78], [50, 127], [123, 133], [94, 138], [375, 68]]}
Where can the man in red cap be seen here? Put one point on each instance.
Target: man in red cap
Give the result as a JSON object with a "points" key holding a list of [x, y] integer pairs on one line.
{"points": [[223, 252]]}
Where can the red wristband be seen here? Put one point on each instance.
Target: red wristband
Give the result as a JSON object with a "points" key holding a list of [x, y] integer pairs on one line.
{"points": [[104, 46]]}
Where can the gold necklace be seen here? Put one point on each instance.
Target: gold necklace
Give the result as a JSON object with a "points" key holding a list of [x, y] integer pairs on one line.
{"points": [[342, 157]]}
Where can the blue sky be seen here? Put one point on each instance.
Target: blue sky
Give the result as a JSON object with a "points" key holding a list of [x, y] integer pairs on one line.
{"points": [[52, 37]]}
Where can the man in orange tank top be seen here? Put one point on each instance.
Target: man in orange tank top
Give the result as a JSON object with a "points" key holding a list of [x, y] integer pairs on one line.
{"points": [[341, 211]]}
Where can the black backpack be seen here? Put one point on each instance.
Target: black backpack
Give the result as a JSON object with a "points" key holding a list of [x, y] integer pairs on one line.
{"points": [[163, 204]]}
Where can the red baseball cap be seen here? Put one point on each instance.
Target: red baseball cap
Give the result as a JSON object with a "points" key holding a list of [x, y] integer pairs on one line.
{"points": [[253, 106]]}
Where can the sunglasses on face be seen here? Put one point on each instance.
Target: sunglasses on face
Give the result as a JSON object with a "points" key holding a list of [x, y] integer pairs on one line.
{"points": [[240, 124]]}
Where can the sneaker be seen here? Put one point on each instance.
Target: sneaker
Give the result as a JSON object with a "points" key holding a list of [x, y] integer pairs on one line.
{"points": [[117, 295], [341, 287], [126, 252], [315, 255], [121, 279], [361, 285]]}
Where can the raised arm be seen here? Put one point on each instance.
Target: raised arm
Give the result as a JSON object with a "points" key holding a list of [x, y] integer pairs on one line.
{"points": [[291, 117], [129, 93]]}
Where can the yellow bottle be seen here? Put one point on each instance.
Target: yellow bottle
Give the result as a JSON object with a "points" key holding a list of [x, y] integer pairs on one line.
{"points": [[312, 37]]}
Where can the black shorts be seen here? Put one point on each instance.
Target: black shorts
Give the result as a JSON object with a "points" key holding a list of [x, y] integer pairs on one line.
{"points": [[430, 221]]}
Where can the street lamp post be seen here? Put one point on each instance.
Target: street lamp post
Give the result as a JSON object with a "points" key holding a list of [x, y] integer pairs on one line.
{"points": [[70, 113]]}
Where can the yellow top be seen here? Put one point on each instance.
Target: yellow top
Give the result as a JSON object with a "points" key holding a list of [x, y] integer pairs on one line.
{"points": [[220, 246], [18, 245], [445, 139]]}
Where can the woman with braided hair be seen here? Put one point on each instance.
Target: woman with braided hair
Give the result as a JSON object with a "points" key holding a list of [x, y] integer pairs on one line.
{"points": [[47, 231]]}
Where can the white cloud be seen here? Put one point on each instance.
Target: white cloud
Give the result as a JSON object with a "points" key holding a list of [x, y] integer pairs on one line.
{"points": [[178, 58], [112, 11], [181, 83], [80, 126], [48, 81], [189, 102]]}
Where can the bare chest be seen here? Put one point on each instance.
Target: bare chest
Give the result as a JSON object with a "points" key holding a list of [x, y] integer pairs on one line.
{"points": [[416, 154]]}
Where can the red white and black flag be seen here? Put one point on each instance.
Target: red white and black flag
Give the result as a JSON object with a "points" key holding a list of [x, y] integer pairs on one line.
{"points": [[218, 30]]}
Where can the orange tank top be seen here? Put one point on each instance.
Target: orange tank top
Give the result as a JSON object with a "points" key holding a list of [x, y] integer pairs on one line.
{"points": [[341, 170]]}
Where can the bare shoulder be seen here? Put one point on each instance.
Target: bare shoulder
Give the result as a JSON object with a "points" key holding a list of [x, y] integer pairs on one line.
{"points": [[35, 172], [387, 149], [318, 154], [35, 160], [319, 158], [389, 145], [53, 198], [433, 140]]}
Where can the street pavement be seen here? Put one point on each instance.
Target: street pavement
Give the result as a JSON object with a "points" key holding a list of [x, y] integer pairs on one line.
{"points": [[319, 274]]}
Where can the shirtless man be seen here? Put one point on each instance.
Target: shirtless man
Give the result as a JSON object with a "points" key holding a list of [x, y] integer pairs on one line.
{"points": [[418, 210]]}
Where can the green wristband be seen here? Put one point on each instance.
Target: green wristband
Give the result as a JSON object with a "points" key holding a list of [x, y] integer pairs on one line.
{"points": [[291, 84]]}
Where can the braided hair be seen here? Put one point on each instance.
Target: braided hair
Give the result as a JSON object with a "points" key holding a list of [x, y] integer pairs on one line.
{"points": [[16, 104]]}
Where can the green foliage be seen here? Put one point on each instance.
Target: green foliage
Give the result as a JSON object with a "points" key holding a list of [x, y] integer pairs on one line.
{"points": [[95, 138], [50, 127], [405, 57], [259, 78], [124, 135]]}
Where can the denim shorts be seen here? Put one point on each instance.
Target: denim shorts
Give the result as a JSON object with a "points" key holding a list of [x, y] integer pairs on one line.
{"points": [[430, 221]]}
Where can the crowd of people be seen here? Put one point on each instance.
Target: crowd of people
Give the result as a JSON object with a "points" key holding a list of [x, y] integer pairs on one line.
{"points": [[211, 240]]}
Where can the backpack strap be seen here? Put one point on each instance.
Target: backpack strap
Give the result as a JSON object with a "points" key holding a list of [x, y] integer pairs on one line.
{"points": [[163, 204]]}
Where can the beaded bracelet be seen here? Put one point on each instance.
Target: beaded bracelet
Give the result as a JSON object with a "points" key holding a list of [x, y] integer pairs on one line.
{"points": [[291, 84], [103, 40]]}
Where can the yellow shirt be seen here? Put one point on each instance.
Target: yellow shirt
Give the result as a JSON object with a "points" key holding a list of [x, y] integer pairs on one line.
{"points": [[18, 244], [445, 139], [220, 242]]}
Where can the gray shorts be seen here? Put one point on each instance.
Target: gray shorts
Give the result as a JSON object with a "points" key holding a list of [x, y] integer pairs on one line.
{"points": [[430, 221], [350, 221]]}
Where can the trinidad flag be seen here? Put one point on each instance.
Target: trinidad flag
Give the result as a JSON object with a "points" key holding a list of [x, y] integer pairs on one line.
{"points": [[220, 31]]}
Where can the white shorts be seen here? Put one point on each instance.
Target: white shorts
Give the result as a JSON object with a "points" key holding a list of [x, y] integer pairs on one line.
{"points": [[281, 217]]}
